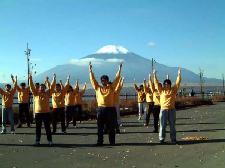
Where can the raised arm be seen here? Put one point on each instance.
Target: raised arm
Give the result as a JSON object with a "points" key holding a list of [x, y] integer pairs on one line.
{"points": [[178, 81], [15, 84], [76, 86], [47, 83], [84, 88], [151, 85], [156, 82], [32, 87], [135, 86], [94, 83], [146, 88], [52, 87], [118, 76], [120, 85]]}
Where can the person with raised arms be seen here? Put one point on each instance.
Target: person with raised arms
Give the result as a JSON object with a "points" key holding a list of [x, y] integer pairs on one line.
{"points": [[167, 102], [149, 103], [106, 113], [78, 101], [42, 108], [141, 98], [58, 104], [7, 105], [23, 100], [156, 100]]}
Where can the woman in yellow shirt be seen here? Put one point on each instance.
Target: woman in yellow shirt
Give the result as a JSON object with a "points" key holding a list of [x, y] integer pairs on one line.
{"points": [[141, 99]]}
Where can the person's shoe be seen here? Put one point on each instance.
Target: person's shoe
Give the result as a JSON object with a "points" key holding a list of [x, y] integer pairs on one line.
{"points": [[37, 143], [174, 142], [113, 144], [161, 142], [50, 143], [118, 131], [139, 118], [3, 132], [28, 125], [145, 125], [155, 131], [13, 132]]}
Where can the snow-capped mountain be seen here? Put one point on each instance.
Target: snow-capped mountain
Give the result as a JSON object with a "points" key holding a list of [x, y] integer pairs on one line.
{"points": [[106, 61]]}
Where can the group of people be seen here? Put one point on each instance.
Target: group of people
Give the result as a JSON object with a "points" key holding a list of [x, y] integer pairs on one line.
{"points": [[66, 105], [159, 100], [153, 97]]}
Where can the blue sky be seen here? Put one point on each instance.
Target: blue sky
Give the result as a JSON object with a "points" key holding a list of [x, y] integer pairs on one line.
{"points": [[186, 33]]}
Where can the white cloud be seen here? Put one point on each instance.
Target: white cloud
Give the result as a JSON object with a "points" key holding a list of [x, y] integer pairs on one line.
{"points": [[85, 61], [152, 44]]}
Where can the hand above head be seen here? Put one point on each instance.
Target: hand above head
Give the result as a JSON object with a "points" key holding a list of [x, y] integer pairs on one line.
{"points": [[12, 76], [179, 71], [47, 78], [144, 80], [121, 65], [54, 76], [30, 76], [154, 71], [90, 66], [68, 77]]}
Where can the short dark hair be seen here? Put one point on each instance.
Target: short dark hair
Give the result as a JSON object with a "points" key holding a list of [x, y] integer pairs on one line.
{"points": [[37, 84], [8, 86], [43, 85], [23, 84], [58, 85], [167, 81], [104, 77]]}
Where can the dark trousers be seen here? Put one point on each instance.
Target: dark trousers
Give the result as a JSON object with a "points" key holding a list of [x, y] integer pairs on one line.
{"points": [[149, 111], [46, 118], [24, 113], [58, 115], [70, 115], [78, 112], [156, 111], [106, 116]]}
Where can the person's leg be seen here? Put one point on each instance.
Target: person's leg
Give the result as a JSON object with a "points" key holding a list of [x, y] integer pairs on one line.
{"points": [[54, 119], [147, 112], [38, 121], [156, 111], [139, 110], [75, 115], [111, 122], [20, 119], [27, 113], [4, 119], [62, 119], [68, 115], [118, 115], [11, 118], [46, 119], [172, 122], [100, 124], [163, 116]]}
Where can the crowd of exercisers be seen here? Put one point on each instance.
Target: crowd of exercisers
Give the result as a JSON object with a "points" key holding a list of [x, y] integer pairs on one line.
{"points": [[153, 97]]}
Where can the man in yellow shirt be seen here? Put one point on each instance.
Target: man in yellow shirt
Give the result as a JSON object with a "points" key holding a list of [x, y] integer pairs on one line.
{"points": [[106, 113], [58, 104], [42, 109], [167, 103], [141, 99], [7, 105], [23, 100]]}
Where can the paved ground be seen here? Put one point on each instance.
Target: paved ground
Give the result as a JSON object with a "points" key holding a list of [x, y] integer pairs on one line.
{"points": [[136, 146]]}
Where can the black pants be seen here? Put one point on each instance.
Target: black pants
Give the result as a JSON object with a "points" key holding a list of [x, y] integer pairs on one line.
{"points": [[46, 118], [156, 111], [24, 113], [78, 112], [58, 115], [106, 116], [70, 115], [148, 113]]}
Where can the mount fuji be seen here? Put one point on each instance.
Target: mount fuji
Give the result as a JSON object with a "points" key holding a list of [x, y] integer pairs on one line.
{"points": [[106, 61]]}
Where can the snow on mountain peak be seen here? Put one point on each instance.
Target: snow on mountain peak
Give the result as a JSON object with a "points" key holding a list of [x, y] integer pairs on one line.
{"points": [[112, 49]]}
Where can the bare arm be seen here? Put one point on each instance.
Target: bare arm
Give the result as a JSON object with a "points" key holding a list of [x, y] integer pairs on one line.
{"points": [[94, 83], [32, 87], [151, 86], [156, 82], [84, 88], [118, 75]]}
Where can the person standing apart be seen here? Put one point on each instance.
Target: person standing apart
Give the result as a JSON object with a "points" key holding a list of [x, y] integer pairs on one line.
{"points": [[167, 103]]}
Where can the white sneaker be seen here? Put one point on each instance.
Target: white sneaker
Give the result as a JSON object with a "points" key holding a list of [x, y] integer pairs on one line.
{"points": [[3, 132], [139, 118], [12, 132]]}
